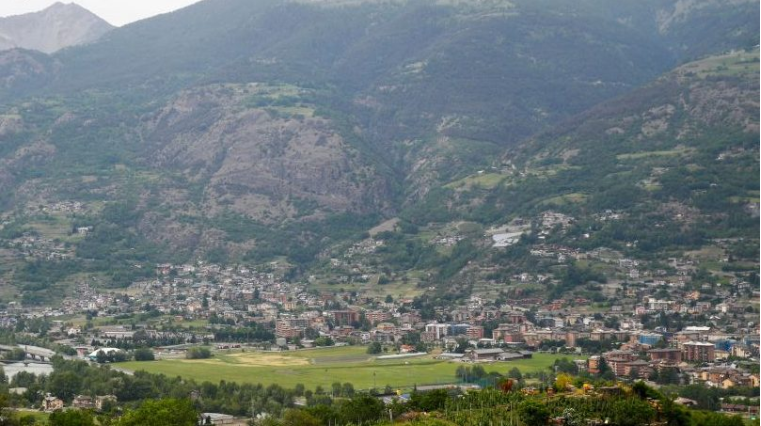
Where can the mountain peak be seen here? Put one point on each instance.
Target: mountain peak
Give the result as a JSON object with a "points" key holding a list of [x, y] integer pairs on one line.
{"points": [[61, 6], [58, 5], [58, 26]]}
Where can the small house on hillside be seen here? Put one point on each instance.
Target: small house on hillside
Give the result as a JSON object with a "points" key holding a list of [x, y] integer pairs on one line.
{"points": [[84, 402], [102, 400], [51, 403]]}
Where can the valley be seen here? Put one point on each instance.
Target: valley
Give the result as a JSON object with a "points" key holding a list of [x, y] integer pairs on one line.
{"points": [[303, 211]]}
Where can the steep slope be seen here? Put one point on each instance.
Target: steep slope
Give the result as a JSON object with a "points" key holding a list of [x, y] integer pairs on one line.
{"points": [[678, 158], [668, 171], [56, 27]]}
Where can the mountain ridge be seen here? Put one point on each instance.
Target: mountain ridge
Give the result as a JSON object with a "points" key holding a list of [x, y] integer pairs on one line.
{"points": [[52, 29]]}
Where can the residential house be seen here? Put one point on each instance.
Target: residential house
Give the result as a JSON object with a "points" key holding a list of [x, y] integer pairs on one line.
{"points": [[83, 402], [51, 403]]}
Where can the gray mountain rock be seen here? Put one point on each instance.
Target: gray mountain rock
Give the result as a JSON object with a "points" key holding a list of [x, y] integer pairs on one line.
{"points": [[58, 26]]}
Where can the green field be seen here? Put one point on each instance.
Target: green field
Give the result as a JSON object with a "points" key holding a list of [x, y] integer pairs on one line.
{"points": [[324, 367], [737, 63], [651, 154], [483, 180], [562, 200]]}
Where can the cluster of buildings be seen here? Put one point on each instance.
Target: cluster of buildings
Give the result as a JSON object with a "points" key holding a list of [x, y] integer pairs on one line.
{"points": [[292, 311], [693, 362], [651, 313], [52, 403]]}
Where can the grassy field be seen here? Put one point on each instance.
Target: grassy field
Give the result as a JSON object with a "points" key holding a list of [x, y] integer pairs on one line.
{"points": [[484, 180], [562, 200], [732, 64], [651, 154], [324, 367]]}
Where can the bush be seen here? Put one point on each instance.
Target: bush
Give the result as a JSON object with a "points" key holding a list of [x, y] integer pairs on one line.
{"points": [[71, 418], [374, 348], [166, 412], [362, 409], [144, 354], [324, 341], [198, 353], [17, 354], [533, 413]]}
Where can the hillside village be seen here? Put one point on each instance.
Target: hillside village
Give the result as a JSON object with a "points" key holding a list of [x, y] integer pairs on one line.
{"points": [[656, 325]]}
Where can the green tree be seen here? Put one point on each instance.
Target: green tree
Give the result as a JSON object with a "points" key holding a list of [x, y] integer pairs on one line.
{"points": [[299, 418], [299, 389], [198, 352], [362, 409], [374, 348], [347, 389], [71, 418], [515, 373], [532, 413], [323, 413], [144, 354], [164, 412], [23, 379], [632, 412], [65, 384], [675, 414], [17, 354], [8, 417], [324, 341], [429, 401], [564, 365]]}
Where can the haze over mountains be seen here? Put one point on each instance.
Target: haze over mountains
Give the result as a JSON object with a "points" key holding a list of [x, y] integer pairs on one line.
{"points": [[238, 130], [57, 27]]}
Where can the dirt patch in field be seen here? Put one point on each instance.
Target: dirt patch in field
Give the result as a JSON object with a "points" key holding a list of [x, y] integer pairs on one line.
{"points": [[268, 360]]}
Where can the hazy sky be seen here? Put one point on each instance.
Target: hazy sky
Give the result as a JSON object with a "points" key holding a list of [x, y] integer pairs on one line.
{"points": [[117, 12]]}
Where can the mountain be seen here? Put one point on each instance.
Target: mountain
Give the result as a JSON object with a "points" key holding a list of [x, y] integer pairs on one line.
{"points": [[283, 131], [672, 140], [52, 29], [659, 172]]}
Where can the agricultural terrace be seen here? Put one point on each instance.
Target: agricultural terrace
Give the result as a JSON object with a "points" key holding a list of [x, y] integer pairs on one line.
{"points": [[322, 367]]}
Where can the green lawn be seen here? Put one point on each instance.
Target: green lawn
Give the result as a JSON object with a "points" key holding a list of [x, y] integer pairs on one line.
{"points": [[324, 367]]}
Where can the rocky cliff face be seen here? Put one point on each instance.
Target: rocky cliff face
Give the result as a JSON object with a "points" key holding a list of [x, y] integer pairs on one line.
{"points": [[260, 162], [58, 26]]}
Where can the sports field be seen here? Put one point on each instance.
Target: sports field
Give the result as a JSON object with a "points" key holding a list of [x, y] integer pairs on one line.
{"points": [[324, 367]]}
